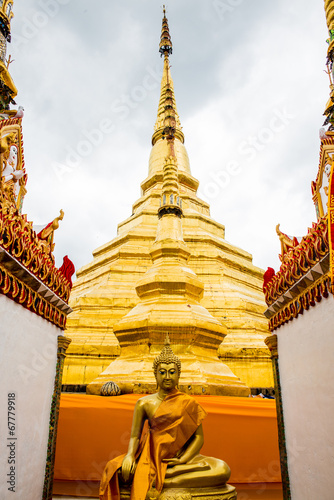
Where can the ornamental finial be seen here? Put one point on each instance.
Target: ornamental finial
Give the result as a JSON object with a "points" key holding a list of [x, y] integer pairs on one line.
{"points": [[165, 46]]}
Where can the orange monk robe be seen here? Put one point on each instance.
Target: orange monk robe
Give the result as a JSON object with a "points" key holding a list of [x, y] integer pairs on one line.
{"points": [[174, 422]]}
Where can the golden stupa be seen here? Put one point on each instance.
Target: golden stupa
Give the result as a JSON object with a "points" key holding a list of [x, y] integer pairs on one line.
{"points": [[169, 270]]}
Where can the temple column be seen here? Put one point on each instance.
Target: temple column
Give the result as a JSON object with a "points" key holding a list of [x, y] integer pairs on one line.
{"points": [[271, 343], [63, 343]]}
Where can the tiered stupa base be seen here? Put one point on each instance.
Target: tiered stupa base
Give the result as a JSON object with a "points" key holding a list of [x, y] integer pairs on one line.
{"points": [[202, 373], [226, 492]]}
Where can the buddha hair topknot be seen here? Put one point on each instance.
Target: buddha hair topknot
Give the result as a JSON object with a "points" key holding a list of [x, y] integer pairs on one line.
{"points": [[166, 356]]}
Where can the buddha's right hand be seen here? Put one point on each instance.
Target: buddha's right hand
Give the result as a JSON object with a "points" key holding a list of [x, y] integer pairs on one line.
{"points": [[128, 467]]}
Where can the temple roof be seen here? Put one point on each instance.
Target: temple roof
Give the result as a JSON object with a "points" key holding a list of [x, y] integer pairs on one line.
{"points": [[304, 275], [302, 278]]}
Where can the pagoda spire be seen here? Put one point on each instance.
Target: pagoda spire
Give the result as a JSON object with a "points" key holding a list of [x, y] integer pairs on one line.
{"points": [[168, 123], [166, 46]]}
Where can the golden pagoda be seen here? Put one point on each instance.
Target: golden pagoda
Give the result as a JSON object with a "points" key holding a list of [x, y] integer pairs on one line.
{"points": [[169, 270]]}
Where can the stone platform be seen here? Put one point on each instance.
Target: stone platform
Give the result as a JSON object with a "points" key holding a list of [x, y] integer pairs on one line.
{"points": [[226, 492]]}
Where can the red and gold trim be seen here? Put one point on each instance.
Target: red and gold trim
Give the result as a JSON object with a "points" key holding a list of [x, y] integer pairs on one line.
{"points": [[298, 261], [302, 303], [330, 216], [23, 294], [19, 239]]}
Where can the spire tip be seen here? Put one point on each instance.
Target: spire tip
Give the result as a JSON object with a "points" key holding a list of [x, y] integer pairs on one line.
{"points": [[165, 46]]}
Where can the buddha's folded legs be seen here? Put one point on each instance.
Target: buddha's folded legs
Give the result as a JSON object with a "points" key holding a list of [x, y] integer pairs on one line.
{"points": [[209, 471], [183, 468]]}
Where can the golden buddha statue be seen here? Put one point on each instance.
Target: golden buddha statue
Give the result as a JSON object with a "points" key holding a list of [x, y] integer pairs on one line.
{"points": [[168, 456]]}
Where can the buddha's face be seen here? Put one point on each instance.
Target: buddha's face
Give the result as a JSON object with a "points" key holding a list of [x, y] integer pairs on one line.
{"points": [[167, 376]]}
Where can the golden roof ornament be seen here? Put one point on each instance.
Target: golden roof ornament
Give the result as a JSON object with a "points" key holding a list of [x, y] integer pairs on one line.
{"points": [[287, 242], [47, 233]]}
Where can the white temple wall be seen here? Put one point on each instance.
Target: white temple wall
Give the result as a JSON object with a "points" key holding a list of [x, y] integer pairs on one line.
{"points": [[306, 366], [28, 358]]}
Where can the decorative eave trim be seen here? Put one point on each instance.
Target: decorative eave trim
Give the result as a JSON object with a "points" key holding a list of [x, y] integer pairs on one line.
{"points": [[23, 274], [18, 284], [297, 262], [19, 240], [309, 297], [305, 282]]}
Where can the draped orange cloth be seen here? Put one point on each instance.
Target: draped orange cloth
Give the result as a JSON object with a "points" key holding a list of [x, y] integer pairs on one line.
{"points": [[95, 429], [173, 423]]}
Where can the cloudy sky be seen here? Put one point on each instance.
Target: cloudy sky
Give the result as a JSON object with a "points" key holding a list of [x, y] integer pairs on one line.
{"points": [[250, 90]]}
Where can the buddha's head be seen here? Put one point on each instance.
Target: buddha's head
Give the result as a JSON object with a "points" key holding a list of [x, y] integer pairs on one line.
{"points": [[167, 368]]}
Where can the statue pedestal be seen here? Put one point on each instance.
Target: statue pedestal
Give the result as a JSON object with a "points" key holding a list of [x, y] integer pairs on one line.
{"points": [[226, 492]]}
